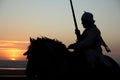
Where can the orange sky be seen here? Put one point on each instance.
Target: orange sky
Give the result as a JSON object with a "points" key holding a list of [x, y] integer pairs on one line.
{"points": [[22, 19], [13, 50]]}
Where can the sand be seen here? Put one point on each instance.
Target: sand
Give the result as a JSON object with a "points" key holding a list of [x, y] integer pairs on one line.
{"points": [[12, 74]]}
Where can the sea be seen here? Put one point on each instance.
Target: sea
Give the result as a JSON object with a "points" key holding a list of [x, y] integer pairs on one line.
{"points": [[12, 68], [13, 64]]}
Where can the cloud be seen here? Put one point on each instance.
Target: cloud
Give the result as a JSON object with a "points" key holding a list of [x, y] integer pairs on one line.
{"points": [[12, 44], [7, 41]]}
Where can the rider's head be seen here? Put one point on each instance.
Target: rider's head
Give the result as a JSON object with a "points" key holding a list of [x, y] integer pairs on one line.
{"points": [[87, 19]]}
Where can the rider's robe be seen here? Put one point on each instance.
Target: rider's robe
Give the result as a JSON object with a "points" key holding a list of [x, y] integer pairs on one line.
{"points": [[90, 43]]}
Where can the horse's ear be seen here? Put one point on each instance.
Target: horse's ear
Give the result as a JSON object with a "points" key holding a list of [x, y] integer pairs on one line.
{"points": [[31, 40]]}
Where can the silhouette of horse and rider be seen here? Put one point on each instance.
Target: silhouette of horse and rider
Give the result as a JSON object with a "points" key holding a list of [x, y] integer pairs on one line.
{"points": [[50, 59]]}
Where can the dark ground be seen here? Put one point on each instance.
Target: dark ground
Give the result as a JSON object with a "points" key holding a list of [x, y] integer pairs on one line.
{"points": [[20, 75]]}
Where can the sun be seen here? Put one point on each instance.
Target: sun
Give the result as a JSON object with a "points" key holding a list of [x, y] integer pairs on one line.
{"points": [[14, 54], [13, 59]]}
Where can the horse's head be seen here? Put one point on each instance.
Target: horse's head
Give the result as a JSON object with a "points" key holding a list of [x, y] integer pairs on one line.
{"points": [[33, 48], [44, 47]]}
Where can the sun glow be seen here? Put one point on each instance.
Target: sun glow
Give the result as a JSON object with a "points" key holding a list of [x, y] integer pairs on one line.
{"points": [[13, 59], [14, 54], [12, 50]]}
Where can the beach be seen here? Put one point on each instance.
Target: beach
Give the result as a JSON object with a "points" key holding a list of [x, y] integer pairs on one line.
{"points": [[12, 74]]}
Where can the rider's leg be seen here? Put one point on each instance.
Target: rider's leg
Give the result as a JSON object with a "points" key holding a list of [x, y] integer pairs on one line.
{"points": [[90, 58]]}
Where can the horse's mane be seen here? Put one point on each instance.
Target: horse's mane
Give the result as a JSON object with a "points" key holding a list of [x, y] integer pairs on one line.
{"points": [[51, 42], [46, 43]]}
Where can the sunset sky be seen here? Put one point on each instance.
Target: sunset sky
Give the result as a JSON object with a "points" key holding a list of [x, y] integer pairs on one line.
{"points": [[22, 19]]}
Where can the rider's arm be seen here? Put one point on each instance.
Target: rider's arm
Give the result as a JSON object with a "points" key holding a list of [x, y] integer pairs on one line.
{"points": [[93, 34], [77, 32]]}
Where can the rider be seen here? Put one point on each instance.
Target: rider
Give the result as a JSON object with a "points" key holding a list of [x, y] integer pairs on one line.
{"points": [[91, 41]]}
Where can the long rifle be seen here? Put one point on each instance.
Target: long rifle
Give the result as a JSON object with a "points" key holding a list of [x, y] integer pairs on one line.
{"points": [[75, 22]]}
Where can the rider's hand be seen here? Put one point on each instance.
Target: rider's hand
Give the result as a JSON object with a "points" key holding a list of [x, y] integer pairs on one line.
{"points": [[107, 49], [77, 32]]}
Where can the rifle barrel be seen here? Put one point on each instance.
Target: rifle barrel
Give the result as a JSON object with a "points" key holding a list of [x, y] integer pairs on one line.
{"points": [[75, 22]]}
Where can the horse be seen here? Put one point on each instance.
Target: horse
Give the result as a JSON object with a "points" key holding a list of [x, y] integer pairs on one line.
{"points": [[46, 58], [80, 70], [51, 59]]}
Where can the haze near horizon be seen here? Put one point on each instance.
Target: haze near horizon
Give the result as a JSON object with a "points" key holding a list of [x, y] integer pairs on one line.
{"points": [[22, 19]]}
